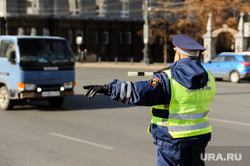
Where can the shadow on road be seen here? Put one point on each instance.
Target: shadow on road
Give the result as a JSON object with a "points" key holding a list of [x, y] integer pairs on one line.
{"points": [[73, 103], [80, 102]]}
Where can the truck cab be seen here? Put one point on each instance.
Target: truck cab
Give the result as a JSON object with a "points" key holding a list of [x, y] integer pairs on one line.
{"points": [[35, 67]]}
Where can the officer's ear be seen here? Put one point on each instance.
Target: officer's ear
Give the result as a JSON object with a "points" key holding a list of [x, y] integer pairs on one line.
{"points": [[177, 56]]}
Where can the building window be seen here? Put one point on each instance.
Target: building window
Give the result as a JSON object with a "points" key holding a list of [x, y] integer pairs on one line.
{"points": [[105, 37], [70, 37], [124, 9], [128, 38], [74, 7], [101, 8], [168, 16], [32, 6], [45, 32], [96, 37], [120, 37]]}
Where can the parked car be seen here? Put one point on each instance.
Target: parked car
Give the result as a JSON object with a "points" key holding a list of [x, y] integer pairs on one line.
{"points": [[232, 66]]}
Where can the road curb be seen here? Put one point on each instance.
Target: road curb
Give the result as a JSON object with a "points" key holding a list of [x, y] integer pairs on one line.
{"points": [[122, 65]]}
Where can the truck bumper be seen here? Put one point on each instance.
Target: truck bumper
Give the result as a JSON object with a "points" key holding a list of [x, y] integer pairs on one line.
{"points": [[40, 95]]}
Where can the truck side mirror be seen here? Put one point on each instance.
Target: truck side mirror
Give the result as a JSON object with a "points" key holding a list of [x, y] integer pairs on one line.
{"points": [[12, 57]]}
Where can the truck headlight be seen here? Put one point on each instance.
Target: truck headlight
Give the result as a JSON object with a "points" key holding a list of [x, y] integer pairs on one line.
{"points": [[30, 87], [69, 85], [26, 86]]}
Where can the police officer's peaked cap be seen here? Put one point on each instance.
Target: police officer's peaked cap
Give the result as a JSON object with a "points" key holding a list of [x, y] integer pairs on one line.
{"points": [[186, 45]]}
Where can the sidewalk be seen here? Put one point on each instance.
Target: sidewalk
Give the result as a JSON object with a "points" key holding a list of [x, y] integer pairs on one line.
{"points": [[135, 65]]}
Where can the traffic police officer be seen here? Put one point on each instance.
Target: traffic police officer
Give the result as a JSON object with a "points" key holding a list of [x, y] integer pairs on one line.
{"points": [[180, 98]]}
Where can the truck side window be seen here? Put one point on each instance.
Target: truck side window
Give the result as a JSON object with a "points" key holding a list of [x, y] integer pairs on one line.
{"points": [[7, 48]]}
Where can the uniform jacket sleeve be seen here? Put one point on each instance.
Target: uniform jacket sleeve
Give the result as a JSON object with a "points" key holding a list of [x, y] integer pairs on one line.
{"points": [[151, 92]]}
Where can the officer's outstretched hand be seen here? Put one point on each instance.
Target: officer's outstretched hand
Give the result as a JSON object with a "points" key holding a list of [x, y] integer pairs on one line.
{"points": [[92, 90]]}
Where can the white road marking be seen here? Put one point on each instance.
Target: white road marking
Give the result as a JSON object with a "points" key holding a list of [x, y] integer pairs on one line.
{"points": [[222, 89], [82, 141], [228, 121]]}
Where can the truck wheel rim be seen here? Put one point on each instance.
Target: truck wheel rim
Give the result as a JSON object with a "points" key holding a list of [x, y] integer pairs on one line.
{"points": [[3, 99]]}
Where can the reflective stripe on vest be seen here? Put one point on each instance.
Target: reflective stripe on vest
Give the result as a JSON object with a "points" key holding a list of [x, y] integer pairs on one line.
{"points": [[188, 109], [159, 121], [188, 127], [188, 116], [124, 85], [195, 118]]}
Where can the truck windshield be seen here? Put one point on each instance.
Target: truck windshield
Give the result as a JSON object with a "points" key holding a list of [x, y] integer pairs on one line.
{"points": [[44, 51]]}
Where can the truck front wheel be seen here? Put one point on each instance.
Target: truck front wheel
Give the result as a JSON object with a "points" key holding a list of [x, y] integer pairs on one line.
{"points": [[5, 102], [56, 102]]}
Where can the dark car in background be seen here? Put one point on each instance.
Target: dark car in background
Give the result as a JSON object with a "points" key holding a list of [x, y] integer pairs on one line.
{"points": [[232, 66]]}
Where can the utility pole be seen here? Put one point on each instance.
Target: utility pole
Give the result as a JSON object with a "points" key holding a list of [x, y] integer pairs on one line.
{"points": [[146, 50]]}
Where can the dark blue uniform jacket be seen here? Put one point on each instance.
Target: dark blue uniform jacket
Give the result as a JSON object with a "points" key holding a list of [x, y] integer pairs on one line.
{"points": [[188, 72]]}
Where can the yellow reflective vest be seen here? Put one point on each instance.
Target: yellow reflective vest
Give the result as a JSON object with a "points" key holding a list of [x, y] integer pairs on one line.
{"points": [[188, 109]]}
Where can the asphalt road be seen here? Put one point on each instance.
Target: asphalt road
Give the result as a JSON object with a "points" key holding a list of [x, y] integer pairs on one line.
{"points": [[101, 132]]}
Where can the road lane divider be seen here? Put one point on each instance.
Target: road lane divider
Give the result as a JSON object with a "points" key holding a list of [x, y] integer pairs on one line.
{"points": [[229, 121], [82, 141]]}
